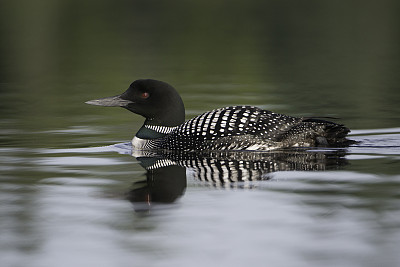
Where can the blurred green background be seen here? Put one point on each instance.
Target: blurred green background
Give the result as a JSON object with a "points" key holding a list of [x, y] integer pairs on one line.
{"points": [[328, 58]]}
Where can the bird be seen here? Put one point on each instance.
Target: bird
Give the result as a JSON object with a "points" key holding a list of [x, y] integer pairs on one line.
{"points": [[229, 128]]}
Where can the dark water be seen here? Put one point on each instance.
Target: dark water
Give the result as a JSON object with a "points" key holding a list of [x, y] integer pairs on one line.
{"points": [[72, 194]]}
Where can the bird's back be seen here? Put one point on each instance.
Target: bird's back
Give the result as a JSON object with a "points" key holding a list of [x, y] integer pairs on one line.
{"points": [[251, 128]]}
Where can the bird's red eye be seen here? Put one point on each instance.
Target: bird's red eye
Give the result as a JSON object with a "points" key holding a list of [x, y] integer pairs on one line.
{"points": [[144, 95]]}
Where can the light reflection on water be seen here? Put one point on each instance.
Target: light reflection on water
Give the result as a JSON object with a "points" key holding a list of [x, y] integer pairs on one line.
{"points": [[79, 206]]}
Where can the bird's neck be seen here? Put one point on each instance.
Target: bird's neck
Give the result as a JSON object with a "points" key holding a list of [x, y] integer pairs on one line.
{"points": [[146, 133], [149, 131]]}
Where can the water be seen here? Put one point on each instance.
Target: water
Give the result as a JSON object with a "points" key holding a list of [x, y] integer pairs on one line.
{"points": [[59, 203], [72, 194]]}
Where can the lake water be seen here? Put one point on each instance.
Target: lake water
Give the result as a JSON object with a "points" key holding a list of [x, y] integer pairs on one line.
{"points": [[73, 195]]}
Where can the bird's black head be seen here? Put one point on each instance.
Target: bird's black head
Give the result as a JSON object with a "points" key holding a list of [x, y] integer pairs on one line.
{"points": [[157, 101]]}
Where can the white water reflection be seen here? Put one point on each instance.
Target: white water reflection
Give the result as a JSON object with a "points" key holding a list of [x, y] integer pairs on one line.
{"points": [[77, 212]]}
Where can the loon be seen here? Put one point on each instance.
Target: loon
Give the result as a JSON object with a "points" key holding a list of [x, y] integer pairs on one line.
{"points": [[228, 128]]}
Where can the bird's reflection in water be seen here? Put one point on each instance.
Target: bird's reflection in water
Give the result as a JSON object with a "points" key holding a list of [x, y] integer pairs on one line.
{"points": [[167, 172], [162, 185]]}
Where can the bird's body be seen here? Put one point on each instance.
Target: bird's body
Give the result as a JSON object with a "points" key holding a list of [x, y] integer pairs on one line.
{"points": [[229, 128]]}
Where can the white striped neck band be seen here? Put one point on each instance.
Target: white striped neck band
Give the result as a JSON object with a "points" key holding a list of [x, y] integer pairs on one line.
{"points": [[161, 129]]}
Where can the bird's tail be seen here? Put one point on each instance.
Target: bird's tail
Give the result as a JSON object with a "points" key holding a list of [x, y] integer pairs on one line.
{"points": [[333, 134]]}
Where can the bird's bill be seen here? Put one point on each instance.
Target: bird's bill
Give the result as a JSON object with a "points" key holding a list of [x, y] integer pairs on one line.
{"points": [[112, 101]]}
